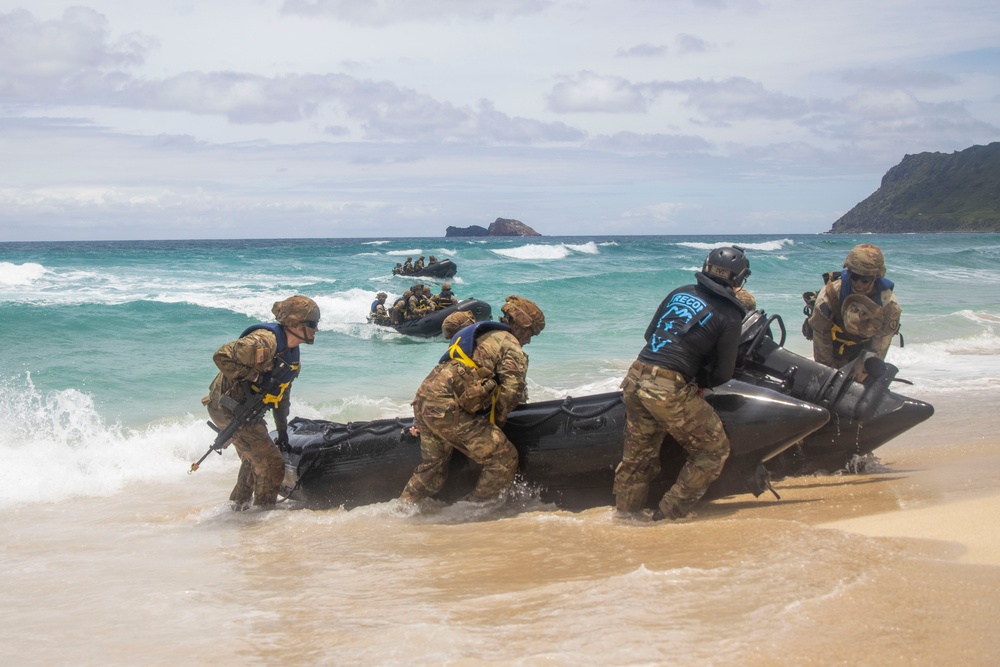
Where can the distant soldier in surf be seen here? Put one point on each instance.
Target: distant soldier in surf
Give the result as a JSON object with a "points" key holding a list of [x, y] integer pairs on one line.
{"points": [[378, 313], [408, 266], [855, 311], [444, 298], [691, 345], [246, 365]]}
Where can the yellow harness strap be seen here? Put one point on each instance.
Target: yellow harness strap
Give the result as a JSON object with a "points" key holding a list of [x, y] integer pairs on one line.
{"points": [[275, 399], [455, 351], [843, 342]]}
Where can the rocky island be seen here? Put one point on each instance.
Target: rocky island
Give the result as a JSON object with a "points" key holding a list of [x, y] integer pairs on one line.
{"points": [[500, 227], [933, 192]]}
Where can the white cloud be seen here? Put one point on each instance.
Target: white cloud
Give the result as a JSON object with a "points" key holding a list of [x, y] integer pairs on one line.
{"points": [[587, 91], [353, 115]]}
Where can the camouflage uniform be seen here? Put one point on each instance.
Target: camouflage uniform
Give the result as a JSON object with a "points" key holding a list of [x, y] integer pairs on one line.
{"points": [[262, 467], [247, 360], [660, 401], [398, 312], [845, 322], [445, 426], [445, 297], [691, 341]]}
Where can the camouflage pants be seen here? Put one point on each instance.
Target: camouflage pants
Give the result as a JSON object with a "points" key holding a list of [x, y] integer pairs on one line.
{"points": [[659, 402], [262, 467], [445, 427]]}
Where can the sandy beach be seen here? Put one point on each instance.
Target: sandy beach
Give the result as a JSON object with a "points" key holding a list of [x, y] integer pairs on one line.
{"points": [[938, 483]]}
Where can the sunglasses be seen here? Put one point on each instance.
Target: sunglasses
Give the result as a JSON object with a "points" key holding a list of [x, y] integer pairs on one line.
{"points": [[312, 324], [864, 280]]}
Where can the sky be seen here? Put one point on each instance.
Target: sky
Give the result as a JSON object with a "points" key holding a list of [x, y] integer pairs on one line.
{"points": [[195, 119]]}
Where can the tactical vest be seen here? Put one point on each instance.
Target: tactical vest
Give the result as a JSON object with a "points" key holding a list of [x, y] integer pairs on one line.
{"points": [[290, 355], [846, 344], [475, 389]]}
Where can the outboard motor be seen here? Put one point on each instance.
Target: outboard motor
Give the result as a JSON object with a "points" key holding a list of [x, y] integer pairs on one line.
{"points": [[854, 391]]}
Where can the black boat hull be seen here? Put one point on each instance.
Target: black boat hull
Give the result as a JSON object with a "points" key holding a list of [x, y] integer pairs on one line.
{"points": [[430, 325], [784, 415], [567, 450], [441, 270], [865, 414]]}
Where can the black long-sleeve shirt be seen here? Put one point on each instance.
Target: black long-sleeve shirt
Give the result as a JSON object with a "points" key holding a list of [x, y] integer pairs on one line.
{"points": [[706, 351]]}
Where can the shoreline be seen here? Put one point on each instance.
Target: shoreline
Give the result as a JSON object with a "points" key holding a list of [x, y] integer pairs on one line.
{"points": [[938, 483]]}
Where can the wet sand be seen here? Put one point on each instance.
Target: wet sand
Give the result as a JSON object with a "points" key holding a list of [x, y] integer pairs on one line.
{"points": [[939, 482], [896, 566]]}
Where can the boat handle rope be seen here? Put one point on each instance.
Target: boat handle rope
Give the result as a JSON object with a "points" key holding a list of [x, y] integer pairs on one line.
{"points": [[568, 401]]}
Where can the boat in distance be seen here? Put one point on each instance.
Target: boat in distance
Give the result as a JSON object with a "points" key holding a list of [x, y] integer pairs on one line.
{"points": [[429, 326], [442, 270]]}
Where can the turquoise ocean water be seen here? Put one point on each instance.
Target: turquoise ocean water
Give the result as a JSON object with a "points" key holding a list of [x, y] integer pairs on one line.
{"points": [[108, 345], [113, 555]]}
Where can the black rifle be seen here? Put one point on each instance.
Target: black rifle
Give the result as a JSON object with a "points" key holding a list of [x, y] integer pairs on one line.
{"points": [[245, 413]]}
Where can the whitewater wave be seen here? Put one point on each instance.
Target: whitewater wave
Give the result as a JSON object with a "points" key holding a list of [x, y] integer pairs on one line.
{"points": [[543, 251], [765, 246], [20, 274], [56, 446]]}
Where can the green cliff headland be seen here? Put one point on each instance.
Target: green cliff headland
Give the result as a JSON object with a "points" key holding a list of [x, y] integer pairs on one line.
{"points": [[933, 192]]}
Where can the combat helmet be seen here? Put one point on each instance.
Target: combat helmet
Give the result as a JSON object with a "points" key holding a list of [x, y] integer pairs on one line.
{"points": [[445, 287], [296, 311], [866, 260], [727, 265], [381, 296], [456, 322], [523, 316]]}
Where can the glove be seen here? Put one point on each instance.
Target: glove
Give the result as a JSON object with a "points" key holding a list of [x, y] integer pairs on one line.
{"points": [[281, 439]]}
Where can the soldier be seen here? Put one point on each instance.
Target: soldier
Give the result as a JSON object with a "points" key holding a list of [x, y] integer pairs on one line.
{"points": [[856, 311], [419, 264], [247, 364], [747, 298], [464, 401], [417, 305], [398, 314], [691, 344], [398, 269], [456, 321], [378, 313], [432, 260], [444, 298], [408, 266]]}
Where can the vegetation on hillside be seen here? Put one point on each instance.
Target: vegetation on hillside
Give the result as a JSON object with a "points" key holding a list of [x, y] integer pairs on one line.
{"points": [[933, 192]]}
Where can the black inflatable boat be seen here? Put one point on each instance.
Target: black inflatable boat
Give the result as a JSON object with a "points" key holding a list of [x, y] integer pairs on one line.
{"points": [[441, 270], [865, 413], [568, 450], [429, 326], [783, 413]]}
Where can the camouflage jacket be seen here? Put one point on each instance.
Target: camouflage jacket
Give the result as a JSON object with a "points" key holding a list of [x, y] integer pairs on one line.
{"points": [[245, 359], [500, 353], [827, 314]]}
